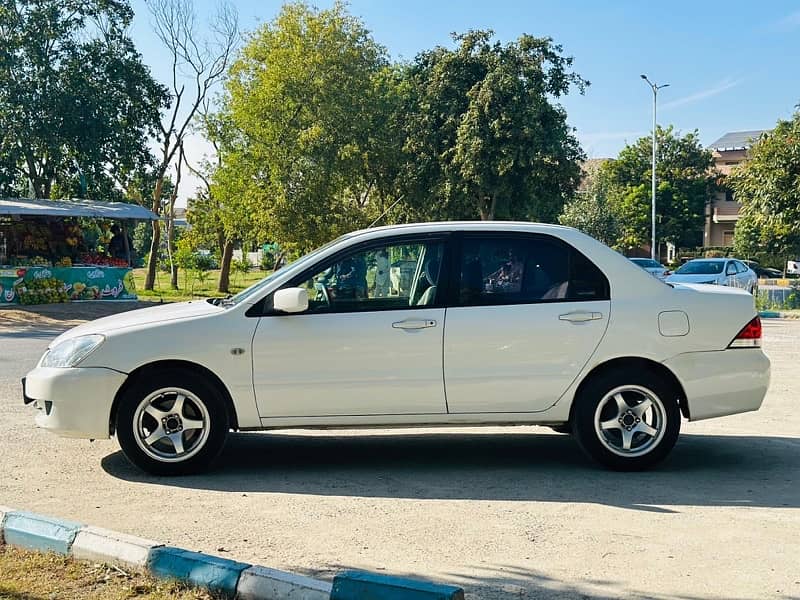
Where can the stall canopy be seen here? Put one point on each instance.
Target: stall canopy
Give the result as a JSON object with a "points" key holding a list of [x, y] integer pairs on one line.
{"points": [[75, 208]]}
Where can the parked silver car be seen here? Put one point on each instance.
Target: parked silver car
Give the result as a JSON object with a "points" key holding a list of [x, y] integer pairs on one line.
{"points": [[717, 271], [655, 268]]}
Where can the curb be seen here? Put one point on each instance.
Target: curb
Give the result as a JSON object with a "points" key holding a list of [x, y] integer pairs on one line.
{"points": [[219, 575], [770, 314]]}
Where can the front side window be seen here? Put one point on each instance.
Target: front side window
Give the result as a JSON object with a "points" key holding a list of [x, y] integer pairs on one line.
{"points": [[391, 276], [526, 270]]}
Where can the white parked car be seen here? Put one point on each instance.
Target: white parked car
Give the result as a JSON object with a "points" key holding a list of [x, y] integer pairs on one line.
{"points": [[717, 271], [474, 324], [655, 268]]}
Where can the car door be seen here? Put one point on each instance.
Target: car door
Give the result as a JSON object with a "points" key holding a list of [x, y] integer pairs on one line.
{"points": [[370, 342], [731, 274], [528, 313], [744, 275]]}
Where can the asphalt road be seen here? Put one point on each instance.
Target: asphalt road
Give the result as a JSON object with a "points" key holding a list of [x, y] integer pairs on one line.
{"points": [[507, 513]]}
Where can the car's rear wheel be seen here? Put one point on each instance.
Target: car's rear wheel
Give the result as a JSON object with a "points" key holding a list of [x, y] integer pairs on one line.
{"points": [[626, 420], [172, 422]]}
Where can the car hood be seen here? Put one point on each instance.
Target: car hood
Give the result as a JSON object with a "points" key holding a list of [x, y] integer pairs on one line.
{"points": [[681, 278], [143, 316]]}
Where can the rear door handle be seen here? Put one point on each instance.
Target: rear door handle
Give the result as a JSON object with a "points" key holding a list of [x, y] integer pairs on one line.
{"points": [[580, 317], [414, 324]]}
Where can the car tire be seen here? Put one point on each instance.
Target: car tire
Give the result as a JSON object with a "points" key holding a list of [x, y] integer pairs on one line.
{"points": [[171, 422], [627, 419], [564, 428]]}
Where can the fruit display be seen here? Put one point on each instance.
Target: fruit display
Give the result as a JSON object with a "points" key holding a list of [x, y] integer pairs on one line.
{"points": [[41, 291], [93, 258]]}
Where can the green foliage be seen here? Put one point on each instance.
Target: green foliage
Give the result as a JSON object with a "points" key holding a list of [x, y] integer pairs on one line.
{"points": [[240, 265], [592, 215], [77, 105], [768, 186], [300, 102], [484, 135], [589, 210], [684, 183]]}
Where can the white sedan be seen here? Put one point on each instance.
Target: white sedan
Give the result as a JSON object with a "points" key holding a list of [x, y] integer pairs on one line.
{"points": [[415, 325], [717, 271]]}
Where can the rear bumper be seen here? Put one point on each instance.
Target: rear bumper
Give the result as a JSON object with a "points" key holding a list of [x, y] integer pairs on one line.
{"points": [[722, 383], [74, 402]]}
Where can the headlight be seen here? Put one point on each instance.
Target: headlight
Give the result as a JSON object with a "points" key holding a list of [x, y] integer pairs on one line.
{"points": [[70, 352]]}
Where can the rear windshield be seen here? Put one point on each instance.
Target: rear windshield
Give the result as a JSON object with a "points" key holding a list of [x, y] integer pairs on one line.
{"points": [[701, 267], [647, 263]]}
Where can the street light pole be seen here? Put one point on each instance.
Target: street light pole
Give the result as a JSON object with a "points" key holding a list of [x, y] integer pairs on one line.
{"points": [[655, 89]]}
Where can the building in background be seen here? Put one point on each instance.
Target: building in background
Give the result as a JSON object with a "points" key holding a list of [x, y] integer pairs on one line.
{"points": [[722, 211]]}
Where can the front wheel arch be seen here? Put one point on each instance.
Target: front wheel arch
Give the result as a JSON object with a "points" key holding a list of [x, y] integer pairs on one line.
{"points": [[163, 365]]}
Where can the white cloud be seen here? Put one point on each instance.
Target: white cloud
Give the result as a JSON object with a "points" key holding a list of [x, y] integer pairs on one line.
{"points": [[714, 90]]}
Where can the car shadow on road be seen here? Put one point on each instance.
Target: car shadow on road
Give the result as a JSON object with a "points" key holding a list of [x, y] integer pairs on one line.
{"points": [[703, 470]]}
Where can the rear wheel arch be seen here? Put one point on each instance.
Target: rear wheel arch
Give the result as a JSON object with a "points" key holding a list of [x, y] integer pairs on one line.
{"points": [[635, 364], [164, 365]]}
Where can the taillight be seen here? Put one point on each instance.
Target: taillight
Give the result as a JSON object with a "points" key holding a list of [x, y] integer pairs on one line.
{"points": [[749, 336]]}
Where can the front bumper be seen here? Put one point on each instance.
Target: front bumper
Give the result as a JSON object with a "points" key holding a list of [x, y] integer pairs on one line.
{"points": [[724, 382], [73, 402]]}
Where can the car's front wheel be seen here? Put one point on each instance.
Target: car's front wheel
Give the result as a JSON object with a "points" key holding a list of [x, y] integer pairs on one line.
{"points": [[171, 422], [627, 420]]}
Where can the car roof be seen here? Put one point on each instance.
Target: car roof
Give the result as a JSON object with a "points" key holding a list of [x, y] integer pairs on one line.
{"points": [[466, 226], [713, 259]]}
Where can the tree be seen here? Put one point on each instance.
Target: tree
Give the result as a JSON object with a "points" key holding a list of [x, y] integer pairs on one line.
{"points": [[198, 63], [589, 210], [768, 187], [485, 137], [77, 106], [685, 182], [302, 100]]}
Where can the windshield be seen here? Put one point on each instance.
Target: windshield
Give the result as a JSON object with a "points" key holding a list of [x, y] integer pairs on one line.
{"points": [[701, 267], [259, 285], [647, 263]]}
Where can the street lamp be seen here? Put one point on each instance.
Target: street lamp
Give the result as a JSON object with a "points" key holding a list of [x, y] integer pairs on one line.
{"points": [[655, 89]]}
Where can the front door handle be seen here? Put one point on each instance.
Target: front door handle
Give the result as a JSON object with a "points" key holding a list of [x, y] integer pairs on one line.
{"points": [[580, 317], [414, 324]]}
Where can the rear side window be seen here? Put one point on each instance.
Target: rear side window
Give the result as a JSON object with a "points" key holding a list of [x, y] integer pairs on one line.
{"points": [[525, 270]]}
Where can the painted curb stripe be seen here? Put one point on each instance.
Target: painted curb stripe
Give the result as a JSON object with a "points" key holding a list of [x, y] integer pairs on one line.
{"points": [[36, 532], [94, 543], [4, 510], [360, 585], [262, 583], [220, 575], [211, 572], [769, 314]]}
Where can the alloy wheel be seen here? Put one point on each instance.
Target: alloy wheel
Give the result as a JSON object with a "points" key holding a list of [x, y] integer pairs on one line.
{"points": [[171, 424], [630, 420]]}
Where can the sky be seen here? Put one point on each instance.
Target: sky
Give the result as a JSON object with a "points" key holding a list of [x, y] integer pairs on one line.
{"points": [[730, 66]]}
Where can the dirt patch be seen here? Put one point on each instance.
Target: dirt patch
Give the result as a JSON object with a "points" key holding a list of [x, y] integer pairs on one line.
{"points": [[26, 575], [69, 314]]}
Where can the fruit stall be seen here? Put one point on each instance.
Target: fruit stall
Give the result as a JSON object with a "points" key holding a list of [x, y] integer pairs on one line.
{"points": [[66, 250]]}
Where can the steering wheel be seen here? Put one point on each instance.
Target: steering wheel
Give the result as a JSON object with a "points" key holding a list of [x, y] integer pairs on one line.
{"points": [[322, 293]]}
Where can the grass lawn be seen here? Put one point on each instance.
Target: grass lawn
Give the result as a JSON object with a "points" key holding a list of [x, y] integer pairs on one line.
{"points": [[28, 575], [191, 286]]}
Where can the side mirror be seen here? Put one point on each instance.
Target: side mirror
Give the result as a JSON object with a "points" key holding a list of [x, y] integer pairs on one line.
{"points": [[290, 300]]}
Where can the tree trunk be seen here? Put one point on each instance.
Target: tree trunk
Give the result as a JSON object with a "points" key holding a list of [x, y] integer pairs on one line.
{"points": [[173, 268], [225, 267], [152, 261], [487, 212], [278, 261]]}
